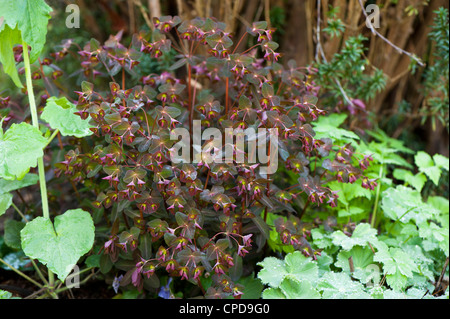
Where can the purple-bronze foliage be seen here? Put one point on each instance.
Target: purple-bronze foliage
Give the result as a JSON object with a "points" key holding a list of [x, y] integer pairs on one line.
{"points": [[192, 220]]}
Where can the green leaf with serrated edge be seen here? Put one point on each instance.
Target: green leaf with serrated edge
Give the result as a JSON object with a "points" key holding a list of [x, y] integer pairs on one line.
{"points": [[426, 164], [12, 233], [362, 235], [440, 203], [59, 245], [5, 202], [361, 258], [273, 271], [340, 286], [320, 239], [403, 204], [59, 113], [295, 265], [397, 265], [441, 161], [396, 281], [20, 147], [296, 289], [417, 181], [432, 231], [8, 186], [31, 18], [323, 262], [273, 293], [8, 38], [301, 267]]}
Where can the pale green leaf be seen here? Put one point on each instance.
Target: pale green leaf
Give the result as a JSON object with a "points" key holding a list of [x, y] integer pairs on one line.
{"points": [[397, 265], [20, 148], [8, 38], [362, 257], [273, 271], [426, 164], [440, 203], [61, 246], [295, 265], [31, 18], [300, 267], [293, 288], [59, 113], [403, 204], [417, 181], [8, 186], [340, 286], [362, 235], [441, 161], [273, 293], [5, 202]]}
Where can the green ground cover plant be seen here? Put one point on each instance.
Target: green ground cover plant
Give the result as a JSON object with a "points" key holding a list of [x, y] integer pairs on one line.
{"points": [[349, 213]]}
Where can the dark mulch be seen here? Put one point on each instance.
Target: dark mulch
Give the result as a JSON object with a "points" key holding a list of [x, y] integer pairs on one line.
{"points": [[20, 287]]}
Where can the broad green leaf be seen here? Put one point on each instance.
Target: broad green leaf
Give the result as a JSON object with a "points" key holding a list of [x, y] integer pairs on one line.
{"points": [[20, 148], [397, 280], [31, 18], [59, 113], [351, 211], [403, 204], [293, 288], [362, 234], [273, 293], [8, 186], [424, 264], [362, 257], [59, 246], [300, 267], [328, 126], [321, 240], [323, 262], [5, 202], [386, 140], [8, 38], [417, 181], [397, 265], [93, 261], [348, 191], [273, 271], [441, 161], [432, 231], [340, 286], [295, 266], [12, 233], [440, 203], [426, 164], [252, 287]]}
